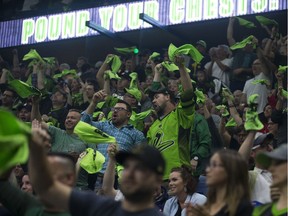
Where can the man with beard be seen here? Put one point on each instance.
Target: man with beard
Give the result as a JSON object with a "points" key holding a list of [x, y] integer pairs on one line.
{"points": [[170, 132], [140, 177], [125, 134]]}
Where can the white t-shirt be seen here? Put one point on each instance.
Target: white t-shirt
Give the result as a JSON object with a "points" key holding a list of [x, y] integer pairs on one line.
{"points": [[218, 73], [259, 89]]}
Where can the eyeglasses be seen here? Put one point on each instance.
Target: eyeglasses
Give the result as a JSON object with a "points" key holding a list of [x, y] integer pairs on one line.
{"points": [[213, 165], [117, 109]]}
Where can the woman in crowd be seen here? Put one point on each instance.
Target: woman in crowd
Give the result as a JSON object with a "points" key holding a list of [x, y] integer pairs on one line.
{"points": [[182, 186], [228, 189]]}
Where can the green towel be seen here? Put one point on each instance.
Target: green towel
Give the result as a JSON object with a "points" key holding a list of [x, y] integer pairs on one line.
{"points": [[243, 43], [261, 81], [134, 79], [93, 161], [140, 116], [23, 89], [33, 55], [282, 69], [265, 21], [126, 50], [115, 63], [231, 123], [186, 49], [64, 73], [200, 96], [91, 134], [253, 99], [50, 60], [14, 138], [110, 101], [135, 92], [225, 113], [245, 23], [154, 55], [252, 121], [171, 67], [108, 74], [284, 93]]}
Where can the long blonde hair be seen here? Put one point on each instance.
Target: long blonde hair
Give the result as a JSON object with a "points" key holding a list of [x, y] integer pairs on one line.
{"points": [[237, 187]]}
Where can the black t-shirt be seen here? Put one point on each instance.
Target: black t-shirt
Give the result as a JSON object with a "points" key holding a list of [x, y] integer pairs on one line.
{"points": [[90, 204], [244, 208]]}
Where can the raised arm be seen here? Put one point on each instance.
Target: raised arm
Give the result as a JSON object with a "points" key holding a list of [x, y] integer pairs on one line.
{"points": [[109, 176], [100, 73], [231, 40], [97, 97], [35, 112], [245, 148], [15, 60], [184, 76], [49, 190]]}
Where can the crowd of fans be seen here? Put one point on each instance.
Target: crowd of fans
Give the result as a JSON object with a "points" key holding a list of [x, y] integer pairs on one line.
{"points": [[220, 125]]}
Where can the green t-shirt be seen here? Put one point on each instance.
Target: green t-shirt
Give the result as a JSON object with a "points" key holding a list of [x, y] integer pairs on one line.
{"points": [[63, 142], [170, 135], [269, 210], [22, 204]]}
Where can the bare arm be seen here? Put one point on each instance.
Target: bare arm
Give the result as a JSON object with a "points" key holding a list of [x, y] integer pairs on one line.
{"points": [[100, 95], [107, 86], [109, 176], [4, 76], [38, 70], [231, 40], [184, 76], [245, 148], [15, 60], [226, 137], [100, 73], [35, 112], [47, 188]]}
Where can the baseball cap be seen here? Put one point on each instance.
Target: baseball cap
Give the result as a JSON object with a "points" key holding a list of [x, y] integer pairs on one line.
{"points": [[135, 92], [260, 140], [150, 156], [151, 92], [24, 106], [201, 43], [265, 158], [125, 75]]}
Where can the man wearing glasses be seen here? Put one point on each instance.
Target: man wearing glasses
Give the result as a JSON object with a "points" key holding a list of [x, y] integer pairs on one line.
{"points": [[126, 135]]}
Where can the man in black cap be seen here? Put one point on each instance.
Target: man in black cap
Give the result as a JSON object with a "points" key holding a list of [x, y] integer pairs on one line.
{"points": [[24, 112], [140, 177]]}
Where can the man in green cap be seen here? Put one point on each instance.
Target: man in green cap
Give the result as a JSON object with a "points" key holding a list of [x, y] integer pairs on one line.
{"points": [[170, 132]]}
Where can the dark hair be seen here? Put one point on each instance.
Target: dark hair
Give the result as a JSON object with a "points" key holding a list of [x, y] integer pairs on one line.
{"points": [[63, 155], [127, 105], [186, 174], [11, 90], [61, 91], [94, 83], [237, 186]]}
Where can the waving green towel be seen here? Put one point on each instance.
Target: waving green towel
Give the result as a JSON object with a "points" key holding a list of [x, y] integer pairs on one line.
{"points": [[14, 138]]}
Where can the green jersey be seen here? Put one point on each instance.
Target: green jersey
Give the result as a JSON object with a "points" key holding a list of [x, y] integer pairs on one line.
{"points": [[170, 135]]}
